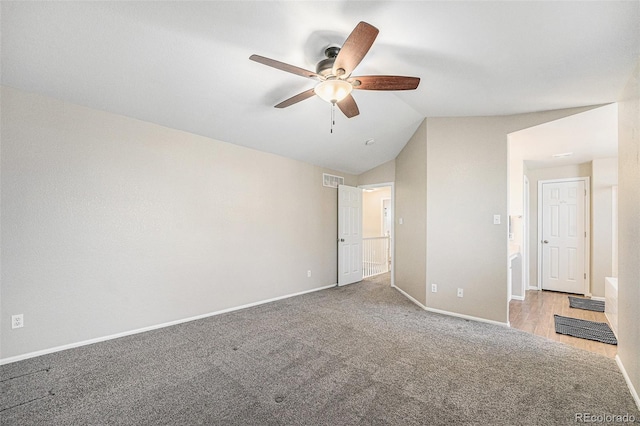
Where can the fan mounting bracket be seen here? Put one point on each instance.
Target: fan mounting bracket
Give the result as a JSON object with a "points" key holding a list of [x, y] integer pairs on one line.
{"points": [[331, 52]]}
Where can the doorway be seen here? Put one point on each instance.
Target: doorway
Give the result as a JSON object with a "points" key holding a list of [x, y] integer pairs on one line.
{"points": [[377, 232], [583, 144]]}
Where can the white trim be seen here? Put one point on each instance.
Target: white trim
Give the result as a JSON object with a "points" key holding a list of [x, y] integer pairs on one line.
{"points": [[451, 314], [615, 333], [627, 379], [517, 297], [152, 327], [597, 298], [538, 241], [526, 234], [468, 317], [614, 231], [405, 294], [533, 287], [587, 228], [587, 238]]}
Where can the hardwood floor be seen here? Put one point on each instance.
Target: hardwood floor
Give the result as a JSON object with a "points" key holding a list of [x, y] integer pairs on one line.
{"points": [[535, 315]]}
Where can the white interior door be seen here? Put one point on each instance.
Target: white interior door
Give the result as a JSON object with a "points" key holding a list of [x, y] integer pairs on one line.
{"points": [[349, 235], [563, 236]]}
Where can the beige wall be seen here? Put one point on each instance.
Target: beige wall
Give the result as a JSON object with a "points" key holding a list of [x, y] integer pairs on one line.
{"points": [[411, 208], [604, 177], [629, 230], [451, 179], [122, 224], [372, 211], [535, 175], [384, 173], [466, 186]]}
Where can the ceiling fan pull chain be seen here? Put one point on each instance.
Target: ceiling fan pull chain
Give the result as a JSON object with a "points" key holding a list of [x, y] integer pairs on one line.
{"points": [[333, 115]]}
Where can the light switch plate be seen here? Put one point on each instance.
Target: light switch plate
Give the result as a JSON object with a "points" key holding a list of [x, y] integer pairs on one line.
{"points": [[496, 219]]}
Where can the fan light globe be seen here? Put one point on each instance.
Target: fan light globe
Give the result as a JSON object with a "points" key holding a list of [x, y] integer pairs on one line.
{"points": [[333, 91]]}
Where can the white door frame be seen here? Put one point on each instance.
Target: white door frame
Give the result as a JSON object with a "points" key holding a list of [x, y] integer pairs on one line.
{"points": [[392, 236], [587, 227], [526, 236]]}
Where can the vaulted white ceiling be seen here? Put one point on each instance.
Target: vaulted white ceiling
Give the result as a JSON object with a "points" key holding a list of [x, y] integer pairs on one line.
{"points": [[586, 136], [185, 65]]}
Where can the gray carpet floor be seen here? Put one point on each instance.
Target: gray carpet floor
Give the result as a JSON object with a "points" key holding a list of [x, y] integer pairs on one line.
{"points": [[356, 355]]}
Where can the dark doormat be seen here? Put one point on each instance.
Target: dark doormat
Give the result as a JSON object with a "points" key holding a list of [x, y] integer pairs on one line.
{"points": [[586, 304], [590, 330]]}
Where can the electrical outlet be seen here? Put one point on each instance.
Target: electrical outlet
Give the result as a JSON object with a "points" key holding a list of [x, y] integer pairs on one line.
{"points": [[460, 292], [309, 273], [434, 288], [17, 321]]}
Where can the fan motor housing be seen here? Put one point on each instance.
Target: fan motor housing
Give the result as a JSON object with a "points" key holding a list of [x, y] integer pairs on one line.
{"points": [[325, 66]]}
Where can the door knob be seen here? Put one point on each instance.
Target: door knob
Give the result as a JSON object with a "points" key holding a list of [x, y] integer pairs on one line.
{"points": [[546, 241]]}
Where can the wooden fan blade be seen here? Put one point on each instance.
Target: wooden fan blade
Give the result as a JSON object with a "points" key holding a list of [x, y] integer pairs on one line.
{"points": [[297, 98], [354, 49], [384, 82], [283, 67], [349, 107]]}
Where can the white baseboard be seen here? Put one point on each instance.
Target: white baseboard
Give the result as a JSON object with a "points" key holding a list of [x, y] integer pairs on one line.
{"points": [[627, 379], [533, 287], [597, 298], [468, 317], [153, 327], [517, 297], [405, 294], [451, 314]]}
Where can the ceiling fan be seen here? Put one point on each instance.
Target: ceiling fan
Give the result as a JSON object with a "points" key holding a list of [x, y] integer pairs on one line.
{"points": [[334, 73]]}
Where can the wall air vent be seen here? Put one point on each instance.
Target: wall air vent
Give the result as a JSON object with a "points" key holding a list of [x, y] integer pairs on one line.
{"points": [[332, 181]]}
